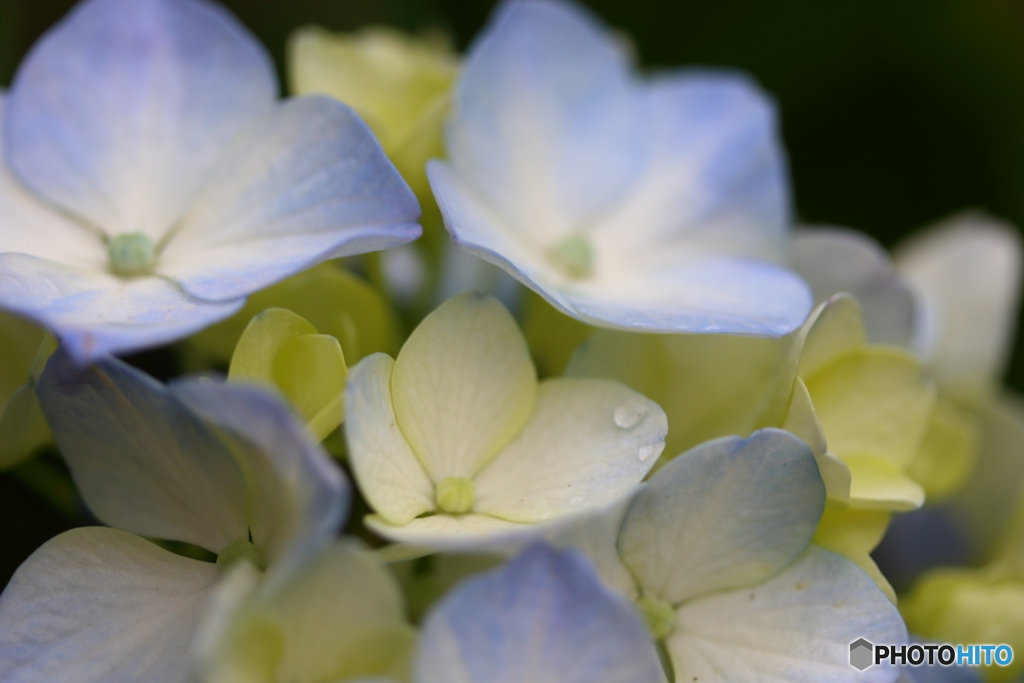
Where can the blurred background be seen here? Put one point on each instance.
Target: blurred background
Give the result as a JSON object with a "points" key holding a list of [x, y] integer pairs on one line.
{"points": [[895, 114]]}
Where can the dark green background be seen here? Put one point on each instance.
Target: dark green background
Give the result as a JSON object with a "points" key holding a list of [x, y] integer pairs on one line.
{"points": [[895, 113]]}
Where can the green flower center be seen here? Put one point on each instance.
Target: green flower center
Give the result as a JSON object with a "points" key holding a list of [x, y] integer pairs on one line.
{"points": [[574, 256], [131, 254], [659, 616], [238, 551], [455, 495]]}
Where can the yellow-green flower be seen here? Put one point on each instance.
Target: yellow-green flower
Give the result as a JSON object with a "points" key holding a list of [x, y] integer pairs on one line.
{"points": [[282, 350]]}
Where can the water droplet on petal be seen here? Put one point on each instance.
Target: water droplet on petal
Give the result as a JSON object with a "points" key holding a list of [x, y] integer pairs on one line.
{"points": [[628, 415], [646, 452]]}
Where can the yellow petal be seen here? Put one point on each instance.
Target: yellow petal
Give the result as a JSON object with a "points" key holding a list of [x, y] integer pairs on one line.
{"points": [[853, 534], [332, 299], [878, 485], [835, 327], [23, 427], [310, 370], [948, 451], [708, 385], [463, 385], [802, 421], [874, 402], [253, 360], [969, 606]]}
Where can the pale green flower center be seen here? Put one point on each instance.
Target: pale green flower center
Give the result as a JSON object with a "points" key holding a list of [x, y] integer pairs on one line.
{"points": [[237, 551], [131, 254], [659, 616], [574, 256], [455, 495]]}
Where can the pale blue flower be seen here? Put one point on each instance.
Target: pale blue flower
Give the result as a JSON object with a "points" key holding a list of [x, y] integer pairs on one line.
{"points": [[152, 179], [544, 618], [656, 204], [224, 467]]}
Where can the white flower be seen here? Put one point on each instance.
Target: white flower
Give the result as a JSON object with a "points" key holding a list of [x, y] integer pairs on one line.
{"points": [[242, 481], [545, 618], [657, 204], [152, 180], [715, 550], [455, 441]]}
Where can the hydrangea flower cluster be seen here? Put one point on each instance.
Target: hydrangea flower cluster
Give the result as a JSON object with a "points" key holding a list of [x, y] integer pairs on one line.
{"points": [[364, 470]]}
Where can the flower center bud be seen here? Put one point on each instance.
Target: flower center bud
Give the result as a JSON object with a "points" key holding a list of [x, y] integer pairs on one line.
{"points": [[240, 550], [455, 495], [573, 256], [131, 254], [659, 616]]}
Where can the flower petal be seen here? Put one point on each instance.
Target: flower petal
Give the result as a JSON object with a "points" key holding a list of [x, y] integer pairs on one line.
{"points": [[709, 385], [338, 616], [121, 110], [547, 126], [545, 618], [716, 182], [142, 460], [455, 532], [104, 606], [587, 443], [97, 314], [31, 227], [296, 496], [713, 295], [305, 183], [966, 272], [874, 401], [726, 514], [795, 628], [387, 470], [834, 260], [463, 385]]}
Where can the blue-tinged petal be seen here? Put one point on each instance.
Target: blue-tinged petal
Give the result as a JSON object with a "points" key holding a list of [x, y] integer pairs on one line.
{"points": [[795, 628], [716, 182], [726, 514], [716, 295], [98, 605], [547, 124], [297, 497], [120, 111], [305, 183], [834, 260], [28, 226], [95, 313], [141, 459], [544, 618]]}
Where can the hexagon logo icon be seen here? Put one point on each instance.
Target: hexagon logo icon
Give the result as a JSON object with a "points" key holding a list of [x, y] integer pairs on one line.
{"points": [[861, 652]]}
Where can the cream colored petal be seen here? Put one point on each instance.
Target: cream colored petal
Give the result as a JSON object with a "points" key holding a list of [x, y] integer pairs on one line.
{"points": [[948, 452], [709, 385], [469, 531], [588, 442], [463, 385], [879, 485], [873, 401], [310, 370], [266, 333], [802, 421], [966, 275], [834, 327], [388, 472]]}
